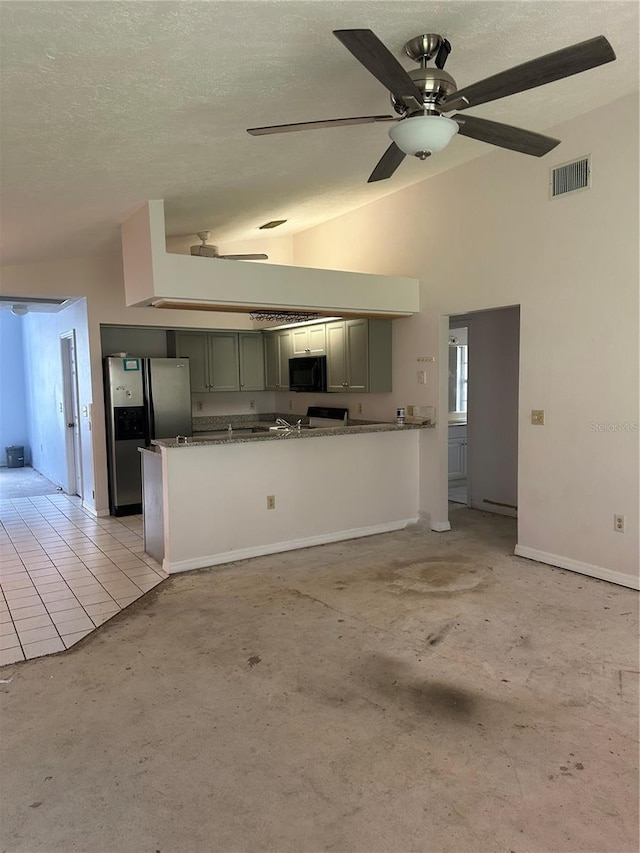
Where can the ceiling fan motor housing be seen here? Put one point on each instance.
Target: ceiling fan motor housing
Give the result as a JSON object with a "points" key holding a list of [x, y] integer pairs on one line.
{"points": [[435, 85]]}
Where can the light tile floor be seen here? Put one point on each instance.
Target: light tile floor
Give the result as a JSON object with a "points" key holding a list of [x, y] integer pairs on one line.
{"points": [[63, 572]]}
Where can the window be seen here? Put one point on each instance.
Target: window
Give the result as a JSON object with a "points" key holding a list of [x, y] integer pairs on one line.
{"points": [[458, 371]]}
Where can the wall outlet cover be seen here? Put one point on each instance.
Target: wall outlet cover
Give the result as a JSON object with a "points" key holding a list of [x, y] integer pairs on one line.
{"points": [[537, 417]]}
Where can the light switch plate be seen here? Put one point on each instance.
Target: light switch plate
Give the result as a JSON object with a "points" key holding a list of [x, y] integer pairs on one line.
{"points": [[537, 417]]}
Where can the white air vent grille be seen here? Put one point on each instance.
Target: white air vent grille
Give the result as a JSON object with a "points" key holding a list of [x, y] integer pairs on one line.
{"points": [[570, 177]]}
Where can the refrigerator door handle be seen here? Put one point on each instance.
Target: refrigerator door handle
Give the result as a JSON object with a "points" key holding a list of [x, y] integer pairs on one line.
{"points": [[149, 426]]}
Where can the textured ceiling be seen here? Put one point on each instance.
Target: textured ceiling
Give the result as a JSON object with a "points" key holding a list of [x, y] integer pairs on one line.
{"points": [[107, 104]]}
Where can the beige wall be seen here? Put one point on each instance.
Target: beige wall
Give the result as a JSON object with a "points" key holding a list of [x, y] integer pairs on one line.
{"points": [[485, 235]]}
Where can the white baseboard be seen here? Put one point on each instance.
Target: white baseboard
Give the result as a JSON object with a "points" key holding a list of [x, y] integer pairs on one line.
{"points": [[280, 547], [575, 566], [440, 526]]}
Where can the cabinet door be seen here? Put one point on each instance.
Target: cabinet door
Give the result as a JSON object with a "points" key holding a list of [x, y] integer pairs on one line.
{"points": [[251, 362], [284, 354], [277, 351], [316, 339], [271, 361], [193, 345], [300, 341], [224, 370], [357, 354], [457, 458], [336, 357]]}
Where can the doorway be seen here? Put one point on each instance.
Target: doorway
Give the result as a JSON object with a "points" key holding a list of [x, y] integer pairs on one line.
{"points": [[483, 436], [458, 411], [71, 413]]}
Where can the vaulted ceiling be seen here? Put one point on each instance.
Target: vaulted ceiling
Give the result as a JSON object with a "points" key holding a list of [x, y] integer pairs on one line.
{"points": [[107, 104]]}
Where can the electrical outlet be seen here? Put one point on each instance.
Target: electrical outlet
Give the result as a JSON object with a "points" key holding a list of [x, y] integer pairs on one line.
{"points": [[360, 409], [271, 501], [422, 377], [619, 523], [537, 417], [199, 406], [290, 405], [252, 404], [410, 411]]}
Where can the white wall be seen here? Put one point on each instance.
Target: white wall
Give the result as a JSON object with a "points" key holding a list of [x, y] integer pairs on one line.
{"points": [[44, 391], [326, 488], [485, 235]]}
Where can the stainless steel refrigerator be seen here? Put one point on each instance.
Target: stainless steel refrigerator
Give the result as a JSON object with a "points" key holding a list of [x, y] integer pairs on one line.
{"points": [[146, 398]]}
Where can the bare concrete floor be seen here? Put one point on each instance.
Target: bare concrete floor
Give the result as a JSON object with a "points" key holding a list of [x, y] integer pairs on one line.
{"points": [[407, 692]]}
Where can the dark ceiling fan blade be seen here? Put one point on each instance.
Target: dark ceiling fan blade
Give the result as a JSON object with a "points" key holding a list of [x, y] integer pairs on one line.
{"points": [[553, 66], [376, 58], [387, 164], [443, 54], [314, 125], [505, 136]]}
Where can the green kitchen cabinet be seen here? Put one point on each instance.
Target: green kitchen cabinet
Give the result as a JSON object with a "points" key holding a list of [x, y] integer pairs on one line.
{"points": [[251, 348], [277, 351], [213, 358], [359, 355]]}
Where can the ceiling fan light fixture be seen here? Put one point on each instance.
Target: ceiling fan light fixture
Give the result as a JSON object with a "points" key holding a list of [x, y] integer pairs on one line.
{"points": [[423, 135]]}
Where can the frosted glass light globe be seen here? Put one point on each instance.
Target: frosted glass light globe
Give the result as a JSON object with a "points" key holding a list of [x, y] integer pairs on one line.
{"points": [[419, 134]]}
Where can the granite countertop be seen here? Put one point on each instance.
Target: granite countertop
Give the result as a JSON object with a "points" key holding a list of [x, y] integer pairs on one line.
{"points": [[214, 430]]}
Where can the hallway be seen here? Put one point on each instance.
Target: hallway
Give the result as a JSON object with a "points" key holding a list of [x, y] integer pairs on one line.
{"points": [[64, 572]]}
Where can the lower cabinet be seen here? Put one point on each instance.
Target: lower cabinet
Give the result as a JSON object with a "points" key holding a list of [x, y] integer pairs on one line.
{"points": [[359, 355], [223, 361], [457, 452]]}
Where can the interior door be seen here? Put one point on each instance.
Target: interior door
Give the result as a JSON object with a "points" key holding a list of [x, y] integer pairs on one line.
{"points": [[71, 413]]}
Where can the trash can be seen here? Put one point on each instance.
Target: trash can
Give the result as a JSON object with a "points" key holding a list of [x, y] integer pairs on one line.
{"points": [[15, 456]]}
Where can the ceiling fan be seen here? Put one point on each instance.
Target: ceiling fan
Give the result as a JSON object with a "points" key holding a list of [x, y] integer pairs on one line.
{"points": [[205, 250], [422, 95]]}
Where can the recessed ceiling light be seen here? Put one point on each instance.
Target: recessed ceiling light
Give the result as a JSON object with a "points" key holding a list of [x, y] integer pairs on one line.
{"points": [[273, 224]]}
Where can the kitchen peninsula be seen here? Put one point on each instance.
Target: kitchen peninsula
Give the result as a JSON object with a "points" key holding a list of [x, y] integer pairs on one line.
{"points": [[253, 490]]}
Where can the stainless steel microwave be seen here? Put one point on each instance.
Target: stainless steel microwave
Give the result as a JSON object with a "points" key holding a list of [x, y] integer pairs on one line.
{"points": [[308, 373]]}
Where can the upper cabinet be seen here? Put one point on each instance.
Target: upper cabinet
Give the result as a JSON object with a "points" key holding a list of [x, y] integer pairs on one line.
{"points": [[251, 347], [222, 361], [309, 340], [359, 355], [277, 351]]}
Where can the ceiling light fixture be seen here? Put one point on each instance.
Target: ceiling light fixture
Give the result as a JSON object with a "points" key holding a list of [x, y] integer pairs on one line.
{"points": [[19, 310], [422, 136]]}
